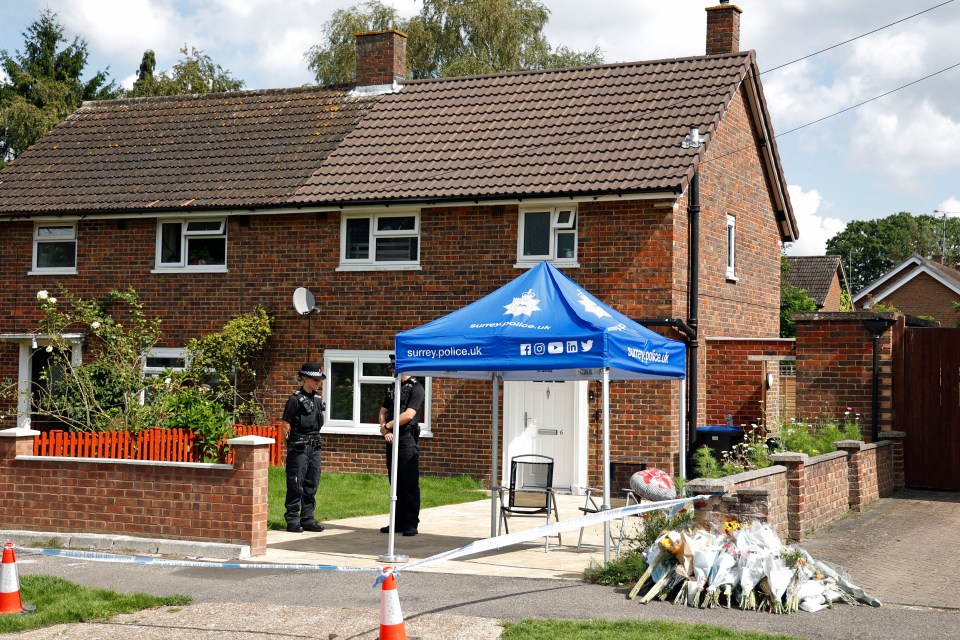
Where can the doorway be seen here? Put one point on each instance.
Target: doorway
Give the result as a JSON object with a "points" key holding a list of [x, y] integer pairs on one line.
{"points": [[548, 418]]}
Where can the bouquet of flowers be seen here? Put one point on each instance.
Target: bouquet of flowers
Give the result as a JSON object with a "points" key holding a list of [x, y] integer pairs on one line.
{"points": [[745, 566]]}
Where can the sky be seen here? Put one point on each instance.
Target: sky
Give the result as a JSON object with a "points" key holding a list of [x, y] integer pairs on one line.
{"points": [[892, 154]]}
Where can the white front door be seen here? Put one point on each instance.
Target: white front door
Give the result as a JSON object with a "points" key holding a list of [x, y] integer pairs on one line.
{"points": [[544, 418]]}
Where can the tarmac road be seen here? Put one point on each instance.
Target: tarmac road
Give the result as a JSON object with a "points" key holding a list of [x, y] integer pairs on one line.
{"points": [[903, 550]]}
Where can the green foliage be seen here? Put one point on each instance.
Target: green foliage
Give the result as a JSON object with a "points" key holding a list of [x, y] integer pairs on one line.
{"points": [[792, 300], [232, 359], [177, 406], [846, 302], [626, 630], [59, 601], [44, 85], [705, 464], [194, 73], [448, 38], [817, 438], [625, 569], [870, 248]]}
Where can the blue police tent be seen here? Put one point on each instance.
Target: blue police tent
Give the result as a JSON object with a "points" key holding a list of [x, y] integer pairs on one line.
{"points": [[541, 326]]}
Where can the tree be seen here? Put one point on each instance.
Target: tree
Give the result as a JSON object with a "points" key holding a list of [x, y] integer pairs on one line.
{"points": [[870, 248], [792, 300], [448, 38], [195, 73], [44, 85]]}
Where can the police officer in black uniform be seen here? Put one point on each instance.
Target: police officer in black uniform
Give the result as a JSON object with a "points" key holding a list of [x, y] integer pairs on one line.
{"points": [[408, 460], [302, 419]]}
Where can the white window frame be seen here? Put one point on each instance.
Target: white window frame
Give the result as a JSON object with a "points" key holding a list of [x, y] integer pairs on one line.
{"points": [[185, 234], [731, 253], [148, 371], [357, 357], [371, 262], [557, 226], [37, 240]]}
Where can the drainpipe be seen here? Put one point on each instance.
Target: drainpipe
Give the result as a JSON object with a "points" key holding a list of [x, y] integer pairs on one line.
{"points": [[876, 326], [693, 213]]}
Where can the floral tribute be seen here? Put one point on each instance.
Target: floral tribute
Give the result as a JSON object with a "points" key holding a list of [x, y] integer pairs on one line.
{"points": [[745, 566]]}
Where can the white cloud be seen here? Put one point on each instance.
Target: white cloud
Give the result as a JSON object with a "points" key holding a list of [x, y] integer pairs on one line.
{"points": [[815, 229], [950, 206]]}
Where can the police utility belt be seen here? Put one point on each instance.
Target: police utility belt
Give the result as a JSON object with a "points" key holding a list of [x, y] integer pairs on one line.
{"points": [[306, 439]]}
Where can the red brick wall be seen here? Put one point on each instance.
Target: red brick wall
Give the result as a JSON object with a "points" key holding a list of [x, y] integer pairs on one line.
{"points": [[723, 29], [834, 295], [925, 296], [735, 377], [826, 494], [870, 471], [214, 503]]}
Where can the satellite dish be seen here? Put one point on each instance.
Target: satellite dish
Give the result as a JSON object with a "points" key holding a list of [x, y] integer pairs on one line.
{"points": [[304, 302]]}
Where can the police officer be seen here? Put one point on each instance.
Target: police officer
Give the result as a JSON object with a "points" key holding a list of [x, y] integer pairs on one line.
{"points": [[408, 454], [302, 419]]}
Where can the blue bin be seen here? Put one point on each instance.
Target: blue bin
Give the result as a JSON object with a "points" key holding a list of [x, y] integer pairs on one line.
{"points": [[719, 437]]}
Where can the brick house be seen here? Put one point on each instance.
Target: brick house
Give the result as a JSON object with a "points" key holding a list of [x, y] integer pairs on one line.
{"points": [[822, 277], [918, 286], [398, 201]]}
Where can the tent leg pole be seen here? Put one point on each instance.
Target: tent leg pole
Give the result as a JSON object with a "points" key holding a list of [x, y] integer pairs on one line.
{"points": [[495, 464], [683, 429], [395, 458], [606, 462]]}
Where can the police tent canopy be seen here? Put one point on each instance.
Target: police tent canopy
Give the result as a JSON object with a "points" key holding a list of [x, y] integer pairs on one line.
{"points": [[541, 326]]}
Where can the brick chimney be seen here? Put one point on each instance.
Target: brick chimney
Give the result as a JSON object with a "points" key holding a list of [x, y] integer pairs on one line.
{"points": [[381, 58], [723, 28]]}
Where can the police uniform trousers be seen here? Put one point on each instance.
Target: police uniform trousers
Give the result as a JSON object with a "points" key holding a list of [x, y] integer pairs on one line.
{"points": [[303, 479], [408, 480]]}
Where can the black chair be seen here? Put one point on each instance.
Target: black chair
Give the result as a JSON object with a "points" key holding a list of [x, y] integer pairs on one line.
{"points": [[530, 492], [622, 469]]}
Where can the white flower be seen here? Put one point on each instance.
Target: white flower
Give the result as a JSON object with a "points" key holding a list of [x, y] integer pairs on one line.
{"points": [[53, 301], [167, 381], [49, 348], [42, 294], [95, 325]]}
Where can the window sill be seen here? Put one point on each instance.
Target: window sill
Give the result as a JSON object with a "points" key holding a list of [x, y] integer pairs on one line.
{"points": [[568, 264], [191, 269], [365, 430], [52, 272], [379, 267], [732, 278]]}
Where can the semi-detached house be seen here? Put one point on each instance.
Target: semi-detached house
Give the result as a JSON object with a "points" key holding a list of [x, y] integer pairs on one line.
{"points": [[397, 201]]}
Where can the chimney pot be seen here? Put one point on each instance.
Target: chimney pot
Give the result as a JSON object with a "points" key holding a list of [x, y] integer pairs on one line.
{"points": [[723, 28], [381, 58]]}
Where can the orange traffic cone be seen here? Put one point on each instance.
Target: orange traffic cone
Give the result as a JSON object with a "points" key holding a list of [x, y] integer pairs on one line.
{"points": [[391, 618], [10, 584]]}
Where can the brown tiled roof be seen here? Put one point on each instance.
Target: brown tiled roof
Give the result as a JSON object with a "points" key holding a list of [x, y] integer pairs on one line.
{"points": [[223, 150], [814, 274], [605, 129]]}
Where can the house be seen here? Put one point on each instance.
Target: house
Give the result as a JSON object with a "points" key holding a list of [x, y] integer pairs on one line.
{"points": [[396, 202], [822, 277], [918, 286]]}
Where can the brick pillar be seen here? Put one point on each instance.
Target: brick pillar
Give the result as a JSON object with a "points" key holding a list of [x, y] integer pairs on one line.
{"points": [[753, 505], [896, 438], [723, 29], [251, 465], [713, 511], [381, 58], [854, 451], [17, 442], [796, 495]]}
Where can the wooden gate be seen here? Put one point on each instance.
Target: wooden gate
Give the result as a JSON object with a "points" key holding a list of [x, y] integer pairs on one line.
{"points": [[926, 392]]}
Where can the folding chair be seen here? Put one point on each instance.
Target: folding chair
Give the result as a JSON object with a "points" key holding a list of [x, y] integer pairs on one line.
{"points": [[530, 492], [622, 469]]}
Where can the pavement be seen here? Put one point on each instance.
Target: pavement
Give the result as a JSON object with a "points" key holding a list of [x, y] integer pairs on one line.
{"points": [[902, 550]]}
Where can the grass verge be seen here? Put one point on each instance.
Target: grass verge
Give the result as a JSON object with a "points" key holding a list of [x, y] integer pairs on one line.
{"points": [[348, 495], [59, 601], [626, 630]]}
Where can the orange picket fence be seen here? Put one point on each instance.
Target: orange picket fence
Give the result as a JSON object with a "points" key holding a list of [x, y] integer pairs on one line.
{"points": [[157, 445]]}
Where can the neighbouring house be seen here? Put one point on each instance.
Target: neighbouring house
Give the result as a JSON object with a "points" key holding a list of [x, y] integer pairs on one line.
{"points": [[918, 286], [822, 277], [397, 201]]}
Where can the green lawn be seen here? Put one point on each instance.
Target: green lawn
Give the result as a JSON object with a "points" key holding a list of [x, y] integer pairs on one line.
{"points": [[626, 630], [347, 495], [59, 601]]}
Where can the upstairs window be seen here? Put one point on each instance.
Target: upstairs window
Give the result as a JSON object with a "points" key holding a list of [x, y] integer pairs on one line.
{"points": [[548, 233], [192, 245], [731, 248], [55, 247], [371, 240]]}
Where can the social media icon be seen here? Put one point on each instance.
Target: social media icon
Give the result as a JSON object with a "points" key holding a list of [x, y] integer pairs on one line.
{"points": [[539, 348], [587, 345], [524, 349], [571, 346], [555, 347]]}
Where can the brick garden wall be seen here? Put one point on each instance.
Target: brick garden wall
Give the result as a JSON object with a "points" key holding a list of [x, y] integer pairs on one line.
{"points": [[799, 494], [192, 501], [735, 377]]}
